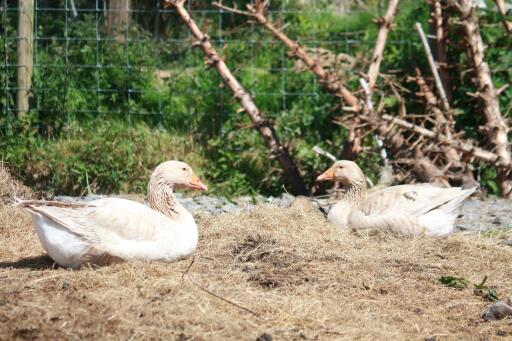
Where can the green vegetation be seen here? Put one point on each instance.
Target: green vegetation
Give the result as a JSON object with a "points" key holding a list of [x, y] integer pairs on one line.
{"points": [[105, 127], [454, 282], [488, 293], [95, 157]]}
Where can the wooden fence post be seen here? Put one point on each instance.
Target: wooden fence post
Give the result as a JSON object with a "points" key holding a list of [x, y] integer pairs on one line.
{"points": [[24, 54]]}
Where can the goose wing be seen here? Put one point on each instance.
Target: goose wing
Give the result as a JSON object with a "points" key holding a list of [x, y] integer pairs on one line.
{"points": [[413, 199], [101, 221]]}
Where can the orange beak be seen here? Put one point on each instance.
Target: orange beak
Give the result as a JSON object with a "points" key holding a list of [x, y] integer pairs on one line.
{"points": [[327, 175], [195, 183]]}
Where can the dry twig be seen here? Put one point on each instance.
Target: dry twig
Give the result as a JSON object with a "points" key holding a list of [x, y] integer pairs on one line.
{"points": [[184, 275], [330, 82], [444, 124], [496, 128], [439, 27], [265, 127], [385, 24], [503, 11], [466, 147], [433, 67]]}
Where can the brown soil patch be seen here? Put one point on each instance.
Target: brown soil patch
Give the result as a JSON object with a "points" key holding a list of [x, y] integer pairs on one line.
{"points": [[298, 277]]}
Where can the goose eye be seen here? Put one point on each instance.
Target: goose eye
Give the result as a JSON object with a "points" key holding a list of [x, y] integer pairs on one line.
{"points": [[184, 169]]}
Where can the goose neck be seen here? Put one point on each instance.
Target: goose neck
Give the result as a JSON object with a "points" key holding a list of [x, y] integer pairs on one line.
{"points": [[161, 197], [355, 193]]}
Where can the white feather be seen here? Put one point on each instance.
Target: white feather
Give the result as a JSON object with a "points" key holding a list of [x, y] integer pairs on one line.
{"points": [[113, 229]]}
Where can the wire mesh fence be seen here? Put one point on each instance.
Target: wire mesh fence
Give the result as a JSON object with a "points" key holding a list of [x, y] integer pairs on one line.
{"points": [[127, 58]]}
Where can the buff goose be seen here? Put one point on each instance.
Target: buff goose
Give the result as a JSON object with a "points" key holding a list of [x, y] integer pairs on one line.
{"points": [[112, 230], [405, 209]]}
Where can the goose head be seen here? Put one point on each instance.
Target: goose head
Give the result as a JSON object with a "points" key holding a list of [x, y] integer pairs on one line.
{"points": [[345, 172], [176, 174]]}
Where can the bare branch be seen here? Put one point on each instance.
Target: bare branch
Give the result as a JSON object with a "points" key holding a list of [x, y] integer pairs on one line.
{"points": [[330, 82], [231, 9], [496, 128], [443, 123], [265, 127], [433, 67], [439, 22], [385, 26], [503, 11], [321, 151], [392, 138], [465, 147]]}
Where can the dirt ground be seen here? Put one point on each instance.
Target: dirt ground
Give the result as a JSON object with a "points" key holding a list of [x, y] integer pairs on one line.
{"points": [[275, 272]]}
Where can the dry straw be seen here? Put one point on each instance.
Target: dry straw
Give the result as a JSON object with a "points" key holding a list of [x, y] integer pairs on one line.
{"points": [[284, 272]]}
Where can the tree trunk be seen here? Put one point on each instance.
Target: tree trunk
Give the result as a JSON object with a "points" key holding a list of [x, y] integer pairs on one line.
{"points": [[118, 17], [24, 54]]}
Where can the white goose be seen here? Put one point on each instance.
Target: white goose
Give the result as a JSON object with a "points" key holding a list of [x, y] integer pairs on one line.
{"points": [[405, 209], [112, 230]]}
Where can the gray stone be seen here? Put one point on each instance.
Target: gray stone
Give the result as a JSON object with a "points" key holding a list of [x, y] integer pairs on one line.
{"points": [[475, 215], [507, 242], [497, 311]]}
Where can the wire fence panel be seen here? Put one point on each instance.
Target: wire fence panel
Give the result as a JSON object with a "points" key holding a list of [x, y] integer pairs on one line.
{"points": [[91, 58]]}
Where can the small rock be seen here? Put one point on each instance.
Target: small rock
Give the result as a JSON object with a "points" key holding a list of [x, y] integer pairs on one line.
{"points": [[286, 200], [182, 337], [302, 203], [27, 333], [264, 337], [497, 311], [497, 221], [462, 228], [244, 200], [507, 242], [230, 208]]}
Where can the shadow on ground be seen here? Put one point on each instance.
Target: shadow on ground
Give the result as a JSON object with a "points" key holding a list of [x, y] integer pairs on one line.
{"points": [[42, 262]]}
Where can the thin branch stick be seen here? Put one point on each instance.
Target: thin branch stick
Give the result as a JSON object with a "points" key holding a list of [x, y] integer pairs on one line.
{"points": [[503, 11], [439, 21], [433, 67], [369, 104], [393, 138], [265, 127], [432, 106], [321, 151], [185, 275], [368, 92], [330, 83], [496, 127], [477, 152], [385, 26]]}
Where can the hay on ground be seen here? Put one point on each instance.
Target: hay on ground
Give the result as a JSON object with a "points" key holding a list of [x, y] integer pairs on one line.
{"points": [[288, 274], [11, 188]]}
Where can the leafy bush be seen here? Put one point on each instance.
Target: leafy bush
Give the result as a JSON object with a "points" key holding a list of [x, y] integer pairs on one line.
{"points": [[106, 112], [106, 158]]}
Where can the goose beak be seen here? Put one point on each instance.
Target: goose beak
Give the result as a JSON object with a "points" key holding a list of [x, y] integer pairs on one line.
{"points": [[327, 175], [195, 183]]}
